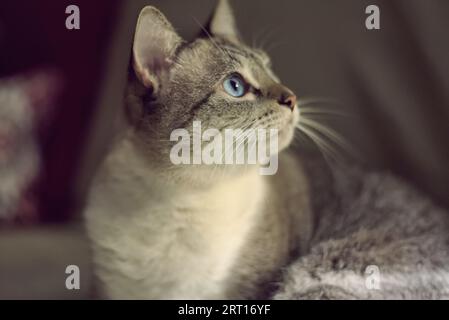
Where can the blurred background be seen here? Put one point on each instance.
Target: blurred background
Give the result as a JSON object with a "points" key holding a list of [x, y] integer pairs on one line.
{"points": [[60, 90]]}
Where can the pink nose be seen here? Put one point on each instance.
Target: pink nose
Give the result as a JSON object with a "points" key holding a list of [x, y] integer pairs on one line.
{"points": [[289, 101], [283, 95]]}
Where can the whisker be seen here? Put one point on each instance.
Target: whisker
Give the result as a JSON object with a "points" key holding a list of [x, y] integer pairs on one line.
{"points": [[324, 112], [320, 105], [328, 152], [240, 136], [331, 134], [260, 36], [276, 45], [316, 100], [301, 138], [268, 35]]}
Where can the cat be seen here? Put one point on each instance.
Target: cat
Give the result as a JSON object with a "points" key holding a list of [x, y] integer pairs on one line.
{"points": [[201, 231], [165, 231]]}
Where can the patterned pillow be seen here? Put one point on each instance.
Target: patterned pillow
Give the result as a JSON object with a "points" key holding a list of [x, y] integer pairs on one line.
{"points": [[25, 101]]}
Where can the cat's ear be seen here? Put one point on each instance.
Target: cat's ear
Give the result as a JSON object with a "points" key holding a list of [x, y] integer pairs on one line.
{"points": [[155, 42], [223, 24]]}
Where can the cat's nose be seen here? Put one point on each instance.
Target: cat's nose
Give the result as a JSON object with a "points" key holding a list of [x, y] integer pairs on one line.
{"points": [[284, 96], [288, 99]]}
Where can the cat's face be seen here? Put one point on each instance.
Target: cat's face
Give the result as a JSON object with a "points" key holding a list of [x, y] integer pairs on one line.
{"points": [[215, 79]]}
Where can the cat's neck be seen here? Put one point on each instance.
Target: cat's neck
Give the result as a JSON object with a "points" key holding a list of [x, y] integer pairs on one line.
{"points": [[132, 167], [193, 224]]}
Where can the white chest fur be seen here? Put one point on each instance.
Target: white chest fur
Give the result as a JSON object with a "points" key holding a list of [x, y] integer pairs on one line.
{"points": [[153, 241]]}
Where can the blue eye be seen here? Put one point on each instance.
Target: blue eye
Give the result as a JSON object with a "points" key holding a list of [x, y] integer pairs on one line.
{"points": [[235, 86]]}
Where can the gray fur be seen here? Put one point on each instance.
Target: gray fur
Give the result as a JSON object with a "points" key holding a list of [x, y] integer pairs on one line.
{"points": [[369, 218]]}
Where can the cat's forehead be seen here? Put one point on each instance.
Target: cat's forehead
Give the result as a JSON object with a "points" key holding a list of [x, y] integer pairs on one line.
{"points": [[216, 56], [202, 52], [244, 52]]}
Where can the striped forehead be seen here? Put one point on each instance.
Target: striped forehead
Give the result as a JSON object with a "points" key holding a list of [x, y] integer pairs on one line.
{"points": [[252, 66], [232, 57]]}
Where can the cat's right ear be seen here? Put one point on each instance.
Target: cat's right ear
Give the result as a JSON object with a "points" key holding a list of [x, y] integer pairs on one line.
{"points": [[155, 42]]}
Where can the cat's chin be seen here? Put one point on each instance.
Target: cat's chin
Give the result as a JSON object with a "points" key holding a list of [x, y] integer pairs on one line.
{"points": [[285, 137], [287, 131]]}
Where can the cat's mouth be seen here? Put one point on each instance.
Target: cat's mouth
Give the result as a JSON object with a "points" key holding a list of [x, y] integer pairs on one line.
{"points": [[286, 129]]}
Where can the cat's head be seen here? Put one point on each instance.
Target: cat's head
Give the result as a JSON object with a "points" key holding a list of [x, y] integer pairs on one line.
{"points": [[215, 79]]}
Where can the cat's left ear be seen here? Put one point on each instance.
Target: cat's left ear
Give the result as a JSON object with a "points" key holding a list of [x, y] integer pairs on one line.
{"points": [[222, 23], [155, 43]]}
